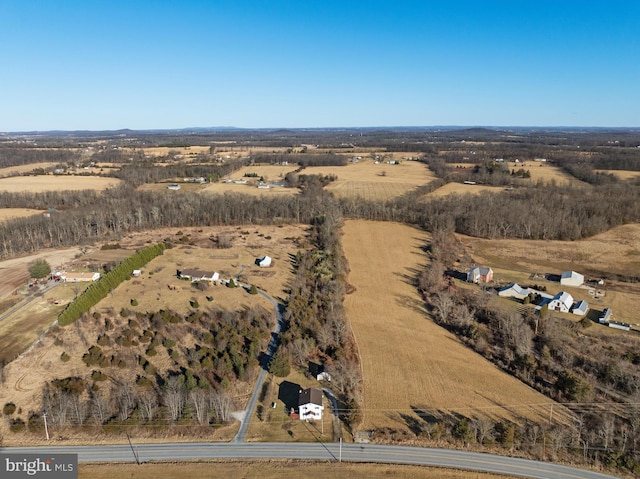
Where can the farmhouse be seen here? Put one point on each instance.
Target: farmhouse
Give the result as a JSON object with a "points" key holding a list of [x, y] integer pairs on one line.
{"points": [[310, 404], [514, 291], [571, 278], [264, 262], [198, 275], [561, 302], [580, 308], [479, 274], [79, 277]]}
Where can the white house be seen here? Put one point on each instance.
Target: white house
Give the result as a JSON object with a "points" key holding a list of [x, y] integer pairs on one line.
{"points": [[561, 302], [310, 404], [79, 277], [580, 308], [571, 278], [264, 262], [514, 291], [479, 274]]}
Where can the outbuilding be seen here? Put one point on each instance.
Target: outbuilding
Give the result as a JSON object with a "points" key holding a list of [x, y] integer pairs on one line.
{"points": [[514, 291], [264, 262], [571, 278], [580, 308]]}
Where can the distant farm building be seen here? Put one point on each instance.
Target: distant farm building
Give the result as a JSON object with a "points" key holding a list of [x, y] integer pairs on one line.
{"points": [[82, 277], [174, 186], [264, 262], [198, 275], [580, 308], [514, 291], [479, 274], [571, 278], [310, 404], [317, 371], [561, 302], [617, 325]]}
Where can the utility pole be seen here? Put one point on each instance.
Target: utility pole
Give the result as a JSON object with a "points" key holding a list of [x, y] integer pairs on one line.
{"points": [[46, 429], [340, 450]]}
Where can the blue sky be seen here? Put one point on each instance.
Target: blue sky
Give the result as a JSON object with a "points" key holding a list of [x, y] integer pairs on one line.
{"points": [[114, 64]]}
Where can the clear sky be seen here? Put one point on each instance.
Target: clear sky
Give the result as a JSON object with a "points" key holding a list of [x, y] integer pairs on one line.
{"points": [[111, 64]]}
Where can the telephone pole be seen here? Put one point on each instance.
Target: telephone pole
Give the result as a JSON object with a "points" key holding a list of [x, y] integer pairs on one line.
{"points": [[46, 429]]}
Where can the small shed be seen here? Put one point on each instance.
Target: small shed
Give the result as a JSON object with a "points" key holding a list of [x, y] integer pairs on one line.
{"points": [[136, 272], [264, 262], [571, 278]]}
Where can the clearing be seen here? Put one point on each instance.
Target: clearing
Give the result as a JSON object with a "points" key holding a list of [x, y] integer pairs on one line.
{"points": [[21, 169], [35, 184], [409, 363], [11, 213], [462, 189]]}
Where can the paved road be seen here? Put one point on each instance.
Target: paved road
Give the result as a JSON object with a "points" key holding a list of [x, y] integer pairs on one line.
{"points": [[245, 417], [324, 452], [25, 302]]}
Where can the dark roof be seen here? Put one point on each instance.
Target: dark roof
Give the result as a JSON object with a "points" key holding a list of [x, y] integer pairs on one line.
{"points": [[310, 395]]}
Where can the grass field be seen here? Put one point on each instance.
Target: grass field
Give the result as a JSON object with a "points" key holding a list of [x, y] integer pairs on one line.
{"points": [[10, 213], [19, 169], [462, 189], [367, 180], [35, 184], [273, 469], [409, 363], [622, 174]]}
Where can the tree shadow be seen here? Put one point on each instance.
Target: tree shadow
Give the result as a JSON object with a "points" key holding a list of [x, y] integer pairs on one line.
{"points": [[288, 393]]}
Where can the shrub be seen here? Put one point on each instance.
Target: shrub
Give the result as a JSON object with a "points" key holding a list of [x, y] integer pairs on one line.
{"points": [[122, 364], [58, 342], [232, 283], [103, 340], [17, 425], [194, 303], [8, 409], [98, 376], [64, 357], [168, 343], [209, 298], [151, 352], [253, 289], [144, 382], [134, 302]]}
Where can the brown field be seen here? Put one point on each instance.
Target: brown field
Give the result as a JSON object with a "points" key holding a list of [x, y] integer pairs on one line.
{"points": [[616, 251], [462, 189], [186, 151], [10, 213], [41, 362], [408, 361], [367, 180], [543, 172], [58, 182], [20, 169], [622, 174], [273, 469]]}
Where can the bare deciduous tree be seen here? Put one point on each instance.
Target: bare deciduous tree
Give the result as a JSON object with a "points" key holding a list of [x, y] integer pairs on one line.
{"points": [[221, 404], [148, 404], [199, 400], [174, 397]]}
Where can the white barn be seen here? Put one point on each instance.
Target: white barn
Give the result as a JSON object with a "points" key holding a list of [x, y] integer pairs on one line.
{"points": [[310, 404], [571, 278], [561, 302], [81, 277]]}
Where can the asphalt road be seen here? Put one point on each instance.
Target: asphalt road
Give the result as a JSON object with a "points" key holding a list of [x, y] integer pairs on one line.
{"points": [[323, 452]]}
